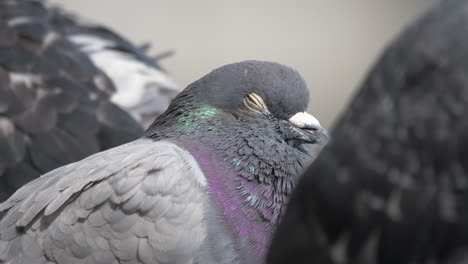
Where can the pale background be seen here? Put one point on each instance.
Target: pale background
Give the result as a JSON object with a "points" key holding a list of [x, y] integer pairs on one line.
{"points": [[332, 43]]}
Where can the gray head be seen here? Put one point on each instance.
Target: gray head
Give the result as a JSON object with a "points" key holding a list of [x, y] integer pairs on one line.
{"points": [[281, 88], [254, 91]]}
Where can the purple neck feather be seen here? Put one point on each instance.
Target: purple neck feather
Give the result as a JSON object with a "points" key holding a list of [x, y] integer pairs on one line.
{"points": [[252, 208]]}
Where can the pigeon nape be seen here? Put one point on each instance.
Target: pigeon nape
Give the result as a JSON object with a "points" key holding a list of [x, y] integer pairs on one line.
{"points": [[392, 185], [207, 184]]}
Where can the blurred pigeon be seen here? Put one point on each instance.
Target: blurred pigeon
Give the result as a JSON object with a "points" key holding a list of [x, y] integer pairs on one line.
{"points": [[206, 185], [392, 186], [55, 104], [143, 88]]}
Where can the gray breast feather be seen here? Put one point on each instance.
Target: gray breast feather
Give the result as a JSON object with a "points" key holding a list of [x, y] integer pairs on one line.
{"points": [[133, 203]]}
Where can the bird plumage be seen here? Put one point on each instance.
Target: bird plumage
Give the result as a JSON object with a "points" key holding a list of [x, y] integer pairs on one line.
{"points": [[148, 209], [54, 106], [143, 88], [58, 103]]}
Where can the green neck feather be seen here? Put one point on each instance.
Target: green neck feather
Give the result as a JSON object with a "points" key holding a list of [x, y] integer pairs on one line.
{"points": [[194, 119]]}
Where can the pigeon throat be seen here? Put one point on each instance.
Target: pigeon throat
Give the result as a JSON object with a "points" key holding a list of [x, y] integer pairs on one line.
{"points": [[250, 197]]}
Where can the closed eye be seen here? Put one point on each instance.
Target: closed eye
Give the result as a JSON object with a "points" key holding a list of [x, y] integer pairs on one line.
{"points": [[255, 103]]}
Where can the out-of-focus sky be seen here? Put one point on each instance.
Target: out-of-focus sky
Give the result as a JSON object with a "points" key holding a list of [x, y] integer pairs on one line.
{"points": [[331, 43]]}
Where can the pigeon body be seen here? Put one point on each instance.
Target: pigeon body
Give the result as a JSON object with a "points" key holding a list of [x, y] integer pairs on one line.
{"points": [[55, 104], [207, 184], [391, 186]]}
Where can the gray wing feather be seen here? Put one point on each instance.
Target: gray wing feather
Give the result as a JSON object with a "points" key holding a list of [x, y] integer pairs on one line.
{"points": [[134, 203]]}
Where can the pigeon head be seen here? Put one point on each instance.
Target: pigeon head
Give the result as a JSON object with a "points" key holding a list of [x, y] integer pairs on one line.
{"points": [[252, 92]]}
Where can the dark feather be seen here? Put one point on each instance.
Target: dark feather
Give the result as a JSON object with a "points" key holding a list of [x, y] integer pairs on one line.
{"points": [[53, 100]]}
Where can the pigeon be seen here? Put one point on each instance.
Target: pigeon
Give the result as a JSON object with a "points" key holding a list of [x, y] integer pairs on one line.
{"points": [[143, 88], [391, 186], [206, 184], [56, 105]]}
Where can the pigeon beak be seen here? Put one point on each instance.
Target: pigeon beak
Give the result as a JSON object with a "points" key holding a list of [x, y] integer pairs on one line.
{"points": [[307, 128]]}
